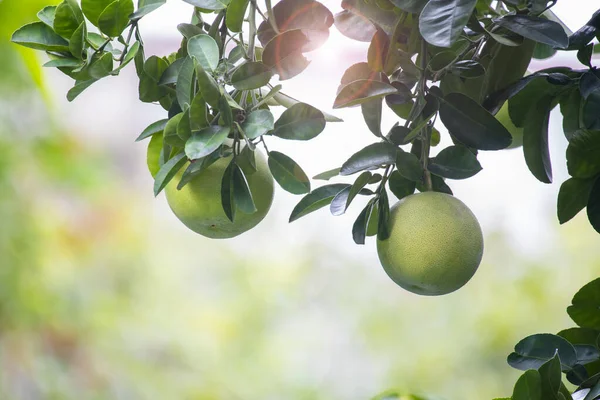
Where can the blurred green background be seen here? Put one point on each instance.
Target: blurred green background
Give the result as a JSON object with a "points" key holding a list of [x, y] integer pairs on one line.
{"points": [[103, 295]]}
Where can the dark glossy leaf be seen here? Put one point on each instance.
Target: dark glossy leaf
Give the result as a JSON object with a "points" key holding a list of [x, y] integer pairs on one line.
{"points": [[586, 353], [354, 26], [241, 192], [227, 191], [361, 91], [115, 18], [338, 204], [378, 50], [198, 166], [570, 107], [342, 200], [79, 87], [258, 123], [550, 372], [359, 229], [39, 36], [528, 387], [168, 171], [372, 111], [185, 83], [327, 175], [583, 160], [581, 336], [472, 124], [213, 5], [288, 173], [189, 30], [408, 166], [400, 186], [535, 140], [300, 122], [585, 308], [211, 93], [535, 350], [184, 129], [170, 132], [584, 55], [588, 84], [101, 66], [543, 51], [225, 111], [198, 113], [374, 155], [398, 135], [67, 18], [455, 162], [586, 33], [169, 76], [383, 222], [467, 69], [442, 21], [358, 71], [573, 197], [537, 29], [594, 393], [132, 52], [206, 141], [371, 11], [251, 75], [92, 9], [153, 128], [590, 116], [77, 43], [412, 6], [205, 50], [235, 14], [593, 213], [316, 199]]}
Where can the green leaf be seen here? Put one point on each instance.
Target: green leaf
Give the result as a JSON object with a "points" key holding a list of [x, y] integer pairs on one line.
{"points": [[47, 14], [537, 29], [594, 393], [198, 113], [581, 335], [79, 87], [39, 36], [228, 191], [535, 140], [288, 101], [189, 30], [467, 69], [205, 50], [383, 224], [184, 130], [378, 50], [145, 7], [550, 373], [442, 21], [528, 387], [472, 124], [170, 132], [288, 174], [211, 93], [342, 200], [535, 350], [455, 162], [101, 66], [409, 166], [153, 154], [64, 63], [401, 186], [213, 5], [593, 207], [258, 123], [327, 175], [361, 91], [198, 166], [300, 122], [185, 80], [206, 141], [372, 111], [129, 57], [283, 54], [67, 18], [359, 229], [152, 129], [354, 26], [251, 75], [412, 6], [585, 308], [570, 106], [588, 84], [77, 42], [168, 171], [241, 192], [115, 18], [94, 8], [235, 14], [316, 199], [338, 204], [582, 154], [573, 197], [372, 156]]}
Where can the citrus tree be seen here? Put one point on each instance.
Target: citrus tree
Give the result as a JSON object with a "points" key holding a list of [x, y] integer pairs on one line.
{"points": [[457, 63]]}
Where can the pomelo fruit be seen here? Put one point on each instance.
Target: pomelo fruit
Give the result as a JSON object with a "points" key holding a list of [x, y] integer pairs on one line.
{"points": [[435, 244], [517, 133], [198, 204]]}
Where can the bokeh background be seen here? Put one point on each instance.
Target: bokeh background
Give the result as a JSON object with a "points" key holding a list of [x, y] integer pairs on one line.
{"points": [[105, 295]]}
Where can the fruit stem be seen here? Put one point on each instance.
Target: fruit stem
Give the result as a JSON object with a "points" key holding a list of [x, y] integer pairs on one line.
{"points": [[426, 132], [252, 33]]}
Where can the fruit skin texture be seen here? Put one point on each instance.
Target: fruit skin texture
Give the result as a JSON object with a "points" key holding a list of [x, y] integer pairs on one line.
{"points": [[435, 244], [198, 204], [517, 133]]}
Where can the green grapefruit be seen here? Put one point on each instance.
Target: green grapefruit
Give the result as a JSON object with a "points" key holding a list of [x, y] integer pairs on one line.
{"points": [[198, 204], [517, 133], [435, 244]]}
